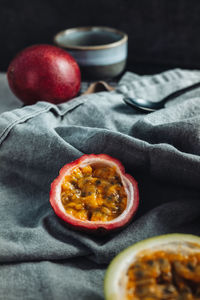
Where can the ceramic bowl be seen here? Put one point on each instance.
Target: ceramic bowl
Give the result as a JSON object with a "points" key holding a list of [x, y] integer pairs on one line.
{"points": [[101, 52]]}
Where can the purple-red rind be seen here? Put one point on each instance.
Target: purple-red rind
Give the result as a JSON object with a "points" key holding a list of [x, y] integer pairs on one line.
{"points": [[92, 226]]}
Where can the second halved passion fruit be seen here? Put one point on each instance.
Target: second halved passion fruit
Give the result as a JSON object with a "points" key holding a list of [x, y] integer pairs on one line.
{"points": [[163, 267], [94, 192]]}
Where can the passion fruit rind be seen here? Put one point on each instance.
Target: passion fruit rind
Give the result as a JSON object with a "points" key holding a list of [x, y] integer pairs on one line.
{"points": [[128, 182], [185, 246]]}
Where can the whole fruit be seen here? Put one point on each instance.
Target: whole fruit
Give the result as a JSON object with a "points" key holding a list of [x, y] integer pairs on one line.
{"points": [[44, 73], [94, 194]]}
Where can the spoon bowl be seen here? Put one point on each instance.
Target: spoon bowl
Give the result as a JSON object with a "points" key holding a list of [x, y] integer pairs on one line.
{"points": [[144, 104]]}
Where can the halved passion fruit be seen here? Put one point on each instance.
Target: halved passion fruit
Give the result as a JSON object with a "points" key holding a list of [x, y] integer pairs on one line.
{"points": [[94, 192], [163, 267]]}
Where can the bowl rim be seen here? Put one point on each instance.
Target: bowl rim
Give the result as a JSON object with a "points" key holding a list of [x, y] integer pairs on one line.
{"points": [[91, 28]]}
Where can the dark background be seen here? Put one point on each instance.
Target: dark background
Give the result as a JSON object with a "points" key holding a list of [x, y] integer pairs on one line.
{"points": [[162, 34]]}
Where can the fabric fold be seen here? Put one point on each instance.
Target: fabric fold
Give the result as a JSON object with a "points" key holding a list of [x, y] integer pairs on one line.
{"points": [[40, 257]]}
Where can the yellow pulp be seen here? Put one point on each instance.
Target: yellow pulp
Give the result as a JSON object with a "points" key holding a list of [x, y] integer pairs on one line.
{"points": [[93, 193], [162, 275]]}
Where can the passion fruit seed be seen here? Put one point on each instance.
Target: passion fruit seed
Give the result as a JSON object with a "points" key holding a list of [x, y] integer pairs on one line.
{"points": [[164, 275], [93, 193]]}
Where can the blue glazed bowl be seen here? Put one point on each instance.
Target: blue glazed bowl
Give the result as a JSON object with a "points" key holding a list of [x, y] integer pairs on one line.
{"points": [[101, 52]]}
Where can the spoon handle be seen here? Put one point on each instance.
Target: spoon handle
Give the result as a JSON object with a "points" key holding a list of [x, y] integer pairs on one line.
{"points": [[180, 92]]}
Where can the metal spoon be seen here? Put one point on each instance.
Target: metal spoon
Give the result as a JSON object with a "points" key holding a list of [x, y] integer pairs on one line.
{"points": [[149, 106]]}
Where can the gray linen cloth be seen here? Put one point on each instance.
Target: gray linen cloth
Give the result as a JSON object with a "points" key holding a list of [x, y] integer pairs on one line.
{"points": [[40, 258]]}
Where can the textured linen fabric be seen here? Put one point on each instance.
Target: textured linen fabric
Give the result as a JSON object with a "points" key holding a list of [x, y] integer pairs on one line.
{"points": [[40, 258]]}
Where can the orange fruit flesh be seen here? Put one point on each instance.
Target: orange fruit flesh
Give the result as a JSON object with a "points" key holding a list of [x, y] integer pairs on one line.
{"points": [[163, 275], [93, 193]]}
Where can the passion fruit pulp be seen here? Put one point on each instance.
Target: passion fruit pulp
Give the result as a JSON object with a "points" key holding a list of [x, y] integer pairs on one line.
{"points": [[94, 192], [163, 267]]}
